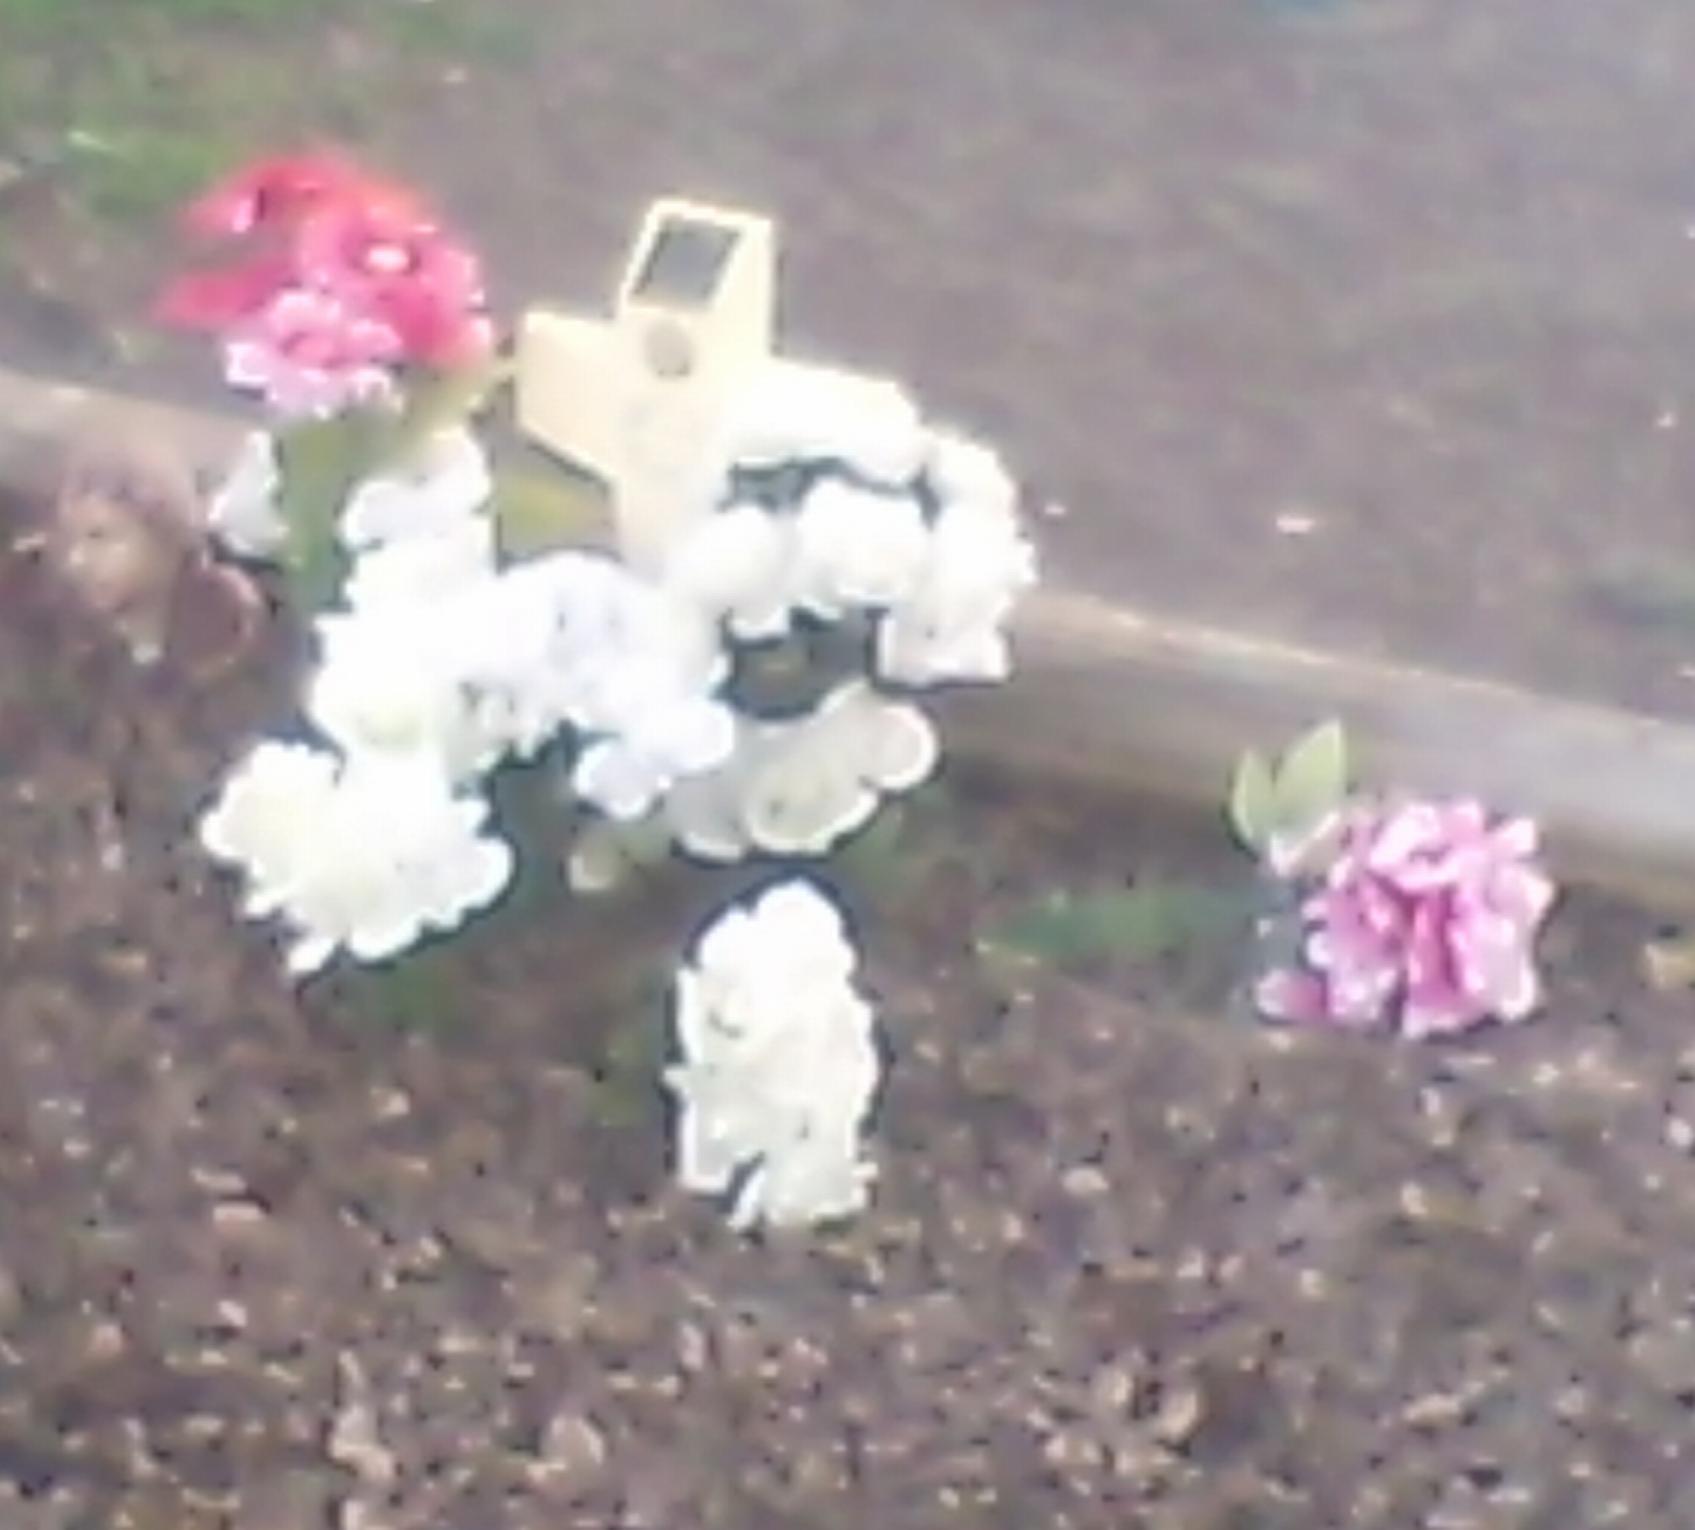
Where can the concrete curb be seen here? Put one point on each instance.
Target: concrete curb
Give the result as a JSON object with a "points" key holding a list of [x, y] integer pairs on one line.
{"points": [[1127, 701]]}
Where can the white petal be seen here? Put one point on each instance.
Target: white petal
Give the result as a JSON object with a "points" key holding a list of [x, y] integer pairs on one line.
{"points": [[791, 413], [268, 801], [735, 564], [622, 782], [854, 547], [424, 569], [799, 803], [243, 509], [369, 861], [901, 748], [445, 483], [960, 469], [704, 814], [780, 1063]]}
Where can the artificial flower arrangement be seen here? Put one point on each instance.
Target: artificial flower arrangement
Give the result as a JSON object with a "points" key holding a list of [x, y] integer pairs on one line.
{"points": [[753, 694], [1387, 912], [750, 693]]}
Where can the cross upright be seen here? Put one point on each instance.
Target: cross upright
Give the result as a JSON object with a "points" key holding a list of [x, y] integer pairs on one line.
{"points": [[634, 397]]}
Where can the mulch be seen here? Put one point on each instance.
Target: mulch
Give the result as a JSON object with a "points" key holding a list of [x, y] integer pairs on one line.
{"points": [[271, 1261]]}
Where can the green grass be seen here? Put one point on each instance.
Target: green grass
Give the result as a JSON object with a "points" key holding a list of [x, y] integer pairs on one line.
{"points": [[137, 103], [46, 16], [457, 29]]}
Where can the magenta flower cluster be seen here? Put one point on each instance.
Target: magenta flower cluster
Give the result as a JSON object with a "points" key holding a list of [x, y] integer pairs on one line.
{"points": [[1419, 916]]}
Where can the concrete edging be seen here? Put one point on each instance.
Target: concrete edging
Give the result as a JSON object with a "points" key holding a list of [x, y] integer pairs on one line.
{"points": [[1128, 701]]}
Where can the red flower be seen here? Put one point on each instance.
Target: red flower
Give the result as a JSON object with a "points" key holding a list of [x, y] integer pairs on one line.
{"points": [[316, 224], [275, 193], [221, 297], [400, 269]]}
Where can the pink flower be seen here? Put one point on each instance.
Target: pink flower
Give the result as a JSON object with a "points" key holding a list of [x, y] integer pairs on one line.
{"points": [[331, 269], [388, 262], [1425, 919], [310, 354]]}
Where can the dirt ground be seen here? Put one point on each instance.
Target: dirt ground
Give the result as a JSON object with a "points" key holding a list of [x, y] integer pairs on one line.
{"points": [[1366, 321], [276, 1262], [1414, 278]]}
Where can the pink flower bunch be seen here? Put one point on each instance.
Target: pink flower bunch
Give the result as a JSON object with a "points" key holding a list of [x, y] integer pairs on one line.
{"points": [[1424, 918], [337, 280]]}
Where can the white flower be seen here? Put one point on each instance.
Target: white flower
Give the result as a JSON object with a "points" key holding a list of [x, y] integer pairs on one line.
{"points": [[779, 1063], [844, 546], [504, 662], [854, 547], [443, 483], [397, 668], [516, 638], [796, 787], [798, 797], [440, 653], [367, 853], [952, 625], [430, 569], [737, 565], [792, 413], [387, 681], [961, 470], [625, 773], [266, 805], [703, 812], [243, 509], [636, 670]]}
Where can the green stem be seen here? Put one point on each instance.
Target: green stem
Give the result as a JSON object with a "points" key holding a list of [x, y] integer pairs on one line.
{"points": [[320, 463]]}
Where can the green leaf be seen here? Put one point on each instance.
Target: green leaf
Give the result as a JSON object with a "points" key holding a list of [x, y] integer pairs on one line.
{"points": [[1140, 923], [535, 514], [1252, 807], [879, 858], [319, 464], [421, 991], [1313, 778], [606, 854], [628, 1077], [438, 401]]}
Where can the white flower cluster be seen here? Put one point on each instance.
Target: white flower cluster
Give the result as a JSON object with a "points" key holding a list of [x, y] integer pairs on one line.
{"points": [[778, 1063], [823, 501], [918, 527], [439, 654], [914, 529], [439, 665], [367, 851]]}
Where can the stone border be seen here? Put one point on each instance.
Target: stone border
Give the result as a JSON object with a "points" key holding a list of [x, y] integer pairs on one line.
{"points": [[1127, 701]]}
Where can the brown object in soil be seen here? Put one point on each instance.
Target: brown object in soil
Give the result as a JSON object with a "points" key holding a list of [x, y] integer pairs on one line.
{"points": [[122, 534], [125, 527]]}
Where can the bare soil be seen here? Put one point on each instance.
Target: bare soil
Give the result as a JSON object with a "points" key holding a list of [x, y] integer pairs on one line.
{"points": [[403, 1257], [1410, 275]]}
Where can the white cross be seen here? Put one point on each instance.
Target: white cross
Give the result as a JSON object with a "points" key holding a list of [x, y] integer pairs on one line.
{"points": [[634, 398], [649, 399]]}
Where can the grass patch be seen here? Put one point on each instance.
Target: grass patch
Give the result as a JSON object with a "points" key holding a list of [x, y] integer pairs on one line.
{"points": [[134, 104], [460, 31]]}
